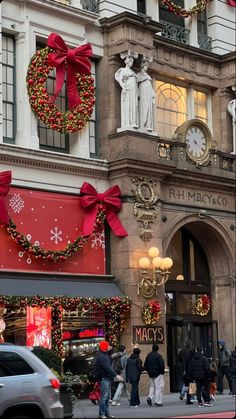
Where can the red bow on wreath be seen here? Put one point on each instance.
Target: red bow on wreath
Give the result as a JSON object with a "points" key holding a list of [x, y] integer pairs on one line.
{"points": [[73, 60], [5, 181], [90, 202]]}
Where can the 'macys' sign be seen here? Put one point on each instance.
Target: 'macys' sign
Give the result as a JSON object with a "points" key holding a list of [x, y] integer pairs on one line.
{"points": [[148, 334]]}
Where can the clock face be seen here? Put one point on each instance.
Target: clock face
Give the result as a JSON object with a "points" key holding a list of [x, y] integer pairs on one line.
{"points": [[197, 144]]}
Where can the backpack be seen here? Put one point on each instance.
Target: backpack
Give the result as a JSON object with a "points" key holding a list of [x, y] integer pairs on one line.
{"points": [[116, 364]]}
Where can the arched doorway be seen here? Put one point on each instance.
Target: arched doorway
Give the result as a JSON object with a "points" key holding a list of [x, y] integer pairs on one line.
{"points": [[200, 256]]}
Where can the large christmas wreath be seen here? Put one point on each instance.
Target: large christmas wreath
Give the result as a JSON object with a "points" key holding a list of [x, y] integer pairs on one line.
{"points": [[151, 312], [80, 85], [202, 305], [179, 11]]}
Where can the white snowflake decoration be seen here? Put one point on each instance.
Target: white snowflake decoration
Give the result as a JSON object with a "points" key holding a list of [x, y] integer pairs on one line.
{"points": [[56, 235], [16, 203], [98, 240]]}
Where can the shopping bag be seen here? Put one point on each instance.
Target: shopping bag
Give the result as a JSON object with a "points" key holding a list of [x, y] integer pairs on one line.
{"points": [[192, 389]]}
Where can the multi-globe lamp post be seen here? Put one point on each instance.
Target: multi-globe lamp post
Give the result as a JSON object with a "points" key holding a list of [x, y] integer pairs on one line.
{"points": [[160, 266]]}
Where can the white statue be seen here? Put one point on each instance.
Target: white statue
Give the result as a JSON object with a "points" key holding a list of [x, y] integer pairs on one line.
{"points": [[127, 79], [146, 97], [232, 111]]}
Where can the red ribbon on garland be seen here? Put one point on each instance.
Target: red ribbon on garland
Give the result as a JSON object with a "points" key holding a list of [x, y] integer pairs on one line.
{"points": [[232, 3], [5, 182], [91, 200], [73, 60]]}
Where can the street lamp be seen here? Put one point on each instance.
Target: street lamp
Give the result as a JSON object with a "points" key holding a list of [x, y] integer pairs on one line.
{"points": [[160, 272]]}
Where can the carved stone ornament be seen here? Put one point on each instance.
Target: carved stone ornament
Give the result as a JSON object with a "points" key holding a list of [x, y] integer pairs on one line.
{"points": [[145, 206]]}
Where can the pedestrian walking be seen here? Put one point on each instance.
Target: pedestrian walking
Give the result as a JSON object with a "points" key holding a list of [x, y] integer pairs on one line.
{"points": [[155, 366], [119, 366], [200, 373], [213, 375], [104, 374], [233, 372], [133, 372], [184, 356], [223, 367]]}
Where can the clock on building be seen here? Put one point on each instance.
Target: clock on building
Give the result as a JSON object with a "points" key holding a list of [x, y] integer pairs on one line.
{"points": [[197, 136]]}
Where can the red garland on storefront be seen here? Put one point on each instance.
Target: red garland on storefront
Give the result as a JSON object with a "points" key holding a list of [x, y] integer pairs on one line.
{"points": [[202, 305], [179, 11], [116, 310]]}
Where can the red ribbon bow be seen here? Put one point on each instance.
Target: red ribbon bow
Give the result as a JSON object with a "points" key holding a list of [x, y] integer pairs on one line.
{"points": [[90, 202], [5, 181], [73, 60]]}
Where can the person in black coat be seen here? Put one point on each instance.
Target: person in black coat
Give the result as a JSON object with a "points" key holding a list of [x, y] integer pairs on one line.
{"points": [[104, 373], [184, 357], [71, 363], [155, 366], [233, 372], [200, 372], [134, 368]]}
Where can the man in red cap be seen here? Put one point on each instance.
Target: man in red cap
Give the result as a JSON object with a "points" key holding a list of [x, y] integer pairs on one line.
{"points": [[105, 374]]}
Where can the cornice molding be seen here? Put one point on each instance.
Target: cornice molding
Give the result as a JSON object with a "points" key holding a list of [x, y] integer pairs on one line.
{"points": [[62, 9], [131, 19], [53, 161]]}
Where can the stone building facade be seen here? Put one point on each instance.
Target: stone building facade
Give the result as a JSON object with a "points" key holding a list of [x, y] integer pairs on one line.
{"points": [[172, 199]]}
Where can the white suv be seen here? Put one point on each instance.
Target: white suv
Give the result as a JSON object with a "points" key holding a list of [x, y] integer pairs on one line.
{"points": [[28, 388]]}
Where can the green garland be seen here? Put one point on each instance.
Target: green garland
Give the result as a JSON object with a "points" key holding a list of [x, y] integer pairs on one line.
{"points": [[179, 11], [57, 255], [116, 309]]}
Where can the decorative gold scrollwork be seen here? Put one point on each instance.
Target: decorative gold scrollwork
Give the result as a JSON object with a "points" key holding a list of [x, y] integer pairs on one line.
{"points": [[145, 206]]}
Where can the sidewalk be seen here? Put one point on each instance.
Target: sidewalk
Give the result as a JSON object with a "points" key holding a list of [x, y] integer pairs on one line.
{"points": [[172, 407]]}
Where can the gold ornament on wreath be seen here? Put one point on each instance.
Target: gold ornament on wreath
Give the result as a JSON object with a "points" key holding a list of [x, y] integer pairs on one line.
{"points": [[80, 85], [202, 305], [151, 312]]}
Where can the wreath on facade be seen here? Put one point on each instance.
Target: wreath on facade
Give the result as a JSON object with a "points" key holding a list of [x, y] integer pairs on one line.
{"points": [[202, 305], [151, 312], [179, 11], [80, 85]]}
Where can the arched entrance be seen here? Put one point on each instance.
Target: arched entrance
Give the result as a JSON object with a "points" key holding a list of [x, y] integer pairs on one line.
{"points": [[203, 260]]}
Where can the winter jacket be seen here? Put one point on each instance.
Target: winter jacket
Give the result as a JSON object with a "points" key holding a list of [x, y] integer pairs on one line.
{"points": [[224, 355], [154, 364], [133, 368], [199, 367], [102, 364], [184, 357], [123, 358], [233, 363]]}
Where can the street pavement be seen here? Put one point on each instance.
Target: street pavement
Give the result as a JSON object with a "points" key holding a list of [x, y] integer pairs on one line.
{"points": [[172, 407]]}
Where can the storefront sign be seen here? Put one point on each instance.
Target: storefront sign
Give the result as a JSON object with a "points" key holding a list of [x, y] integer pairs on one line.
{"points": [[83, 333], [148, 334], [197, 198]]}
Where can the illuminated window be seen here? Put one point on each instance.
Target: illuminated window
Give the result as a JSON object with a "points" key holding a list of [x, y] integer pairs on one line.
{"points": [[200, 106], [171, 108], [176, 104]]}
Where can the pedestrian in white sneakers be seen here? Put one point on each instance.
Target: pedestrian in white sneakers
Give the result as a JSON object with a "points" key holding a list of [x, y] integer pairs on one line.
{"points": [[119, 366], [155, 366]]}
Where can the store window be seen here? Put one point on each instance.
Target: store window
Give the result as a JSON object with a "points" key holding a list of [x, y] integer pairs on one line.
{"points": [[175, 104], [8, 89]]}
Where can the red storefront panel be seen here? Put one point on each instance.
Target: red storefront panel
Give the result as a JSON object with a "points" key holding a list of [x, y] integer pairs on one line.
{"points": [[49, 220]]}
